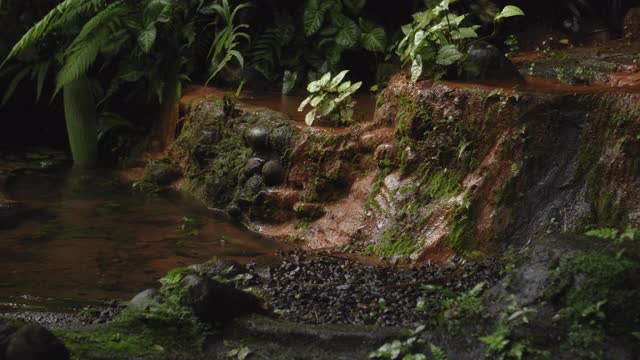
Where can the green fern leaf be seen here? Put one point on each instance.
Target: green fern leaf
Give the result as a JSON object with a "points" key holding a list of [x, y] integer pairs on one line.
{"points": [[14, 84]]}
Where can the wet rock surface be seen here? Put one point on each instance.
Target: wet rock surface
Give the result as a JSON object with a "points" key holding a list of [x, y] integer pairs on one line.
{"points": [[491, 64], [145, 300], [213, 301]]}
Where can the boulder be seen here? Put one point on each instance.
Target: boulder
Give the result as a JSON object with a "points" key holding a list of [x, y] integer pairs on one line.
{"points": [[146, 299], [34, 342], [256, 137], [162, 172], [253, 166], [251, 189], [216, 302], [280, 139], [491, 64], [273, 173]]}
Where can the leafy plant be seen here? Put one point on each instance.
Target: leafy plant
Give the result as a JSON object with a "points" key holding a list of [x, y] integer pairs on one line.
{"points": [[316, 45], [142, 44], [330, 98], [401, 348], [223, 49], [437, 40]]}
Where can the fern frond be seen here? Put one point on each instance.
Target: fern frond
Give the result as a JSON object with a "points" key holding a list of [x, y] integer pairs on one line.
{"points": [[14, 84], [42, 28], [84, 49], [103, 19], [267, 48], [80, 58]]}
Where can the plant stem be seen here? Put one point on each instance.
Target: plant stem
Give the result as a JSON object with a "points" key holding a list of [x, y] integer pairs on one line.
{"points": [[80, 116]]}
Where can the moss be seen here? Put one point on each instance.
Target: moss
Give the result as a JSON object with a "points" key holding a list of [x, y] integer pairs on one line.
{"points": [[375, 190], [592, 289], [443, 183], [507, 195], [134, 336], [461, 232], [394, 244]]}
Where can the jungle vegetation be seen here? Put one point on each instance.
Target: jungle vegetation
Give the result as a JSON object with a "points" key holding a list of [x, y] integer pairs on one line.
{"points": [[97, 58]]}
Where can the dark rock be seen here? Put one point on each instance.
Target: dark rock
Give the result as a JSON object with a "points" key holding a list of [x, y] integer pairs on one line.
{"points": [[280, 138], [213, 301], [491, 64], [251, 189], [162, 172], [33, 342], [146, 299], [234, 211], [253, 166], [257, 138], [273, 173], [9, 213]]}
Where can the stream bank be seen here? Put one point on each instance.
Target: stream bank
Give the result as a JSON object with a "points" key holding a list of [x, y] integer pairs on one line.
{"points": [[476, 196]]}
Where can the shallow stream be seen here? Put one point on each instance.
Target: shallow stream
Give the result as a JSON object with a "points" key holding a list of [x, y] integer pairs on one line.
{"points": [[85, 237]]}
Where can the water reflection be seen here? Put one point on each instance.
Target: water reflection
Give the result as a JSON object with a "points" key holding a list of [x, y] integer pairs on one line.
{"points": [[84, 236]]}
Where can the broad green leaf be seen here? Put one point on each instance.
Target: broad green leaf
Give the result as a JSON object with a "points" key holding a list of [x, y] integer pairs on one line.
{"points": [[349, 91], [335, 82], [348, 31], [464, 33], [314, 14], [406, 29], [304, 103], [311, 116], [509, 11], [344, 86], [289, 81], [416, 68], [316, 100], [146, 38], [373, 38], [355, 6], [324, 80], [418, 38], [448, 55], [156, 11], [327, 107]]}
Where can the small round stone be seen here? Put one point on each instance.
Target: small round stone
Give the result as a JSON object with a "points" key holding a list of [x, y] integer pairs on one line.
{"points": [[273, 173], [253, 166], [257, 138]]}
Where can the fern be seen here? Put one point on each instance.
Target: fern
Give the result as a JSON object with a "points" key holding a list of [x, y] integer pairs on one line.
{"points": [[266, 51], [85, 48], [60, 15]]}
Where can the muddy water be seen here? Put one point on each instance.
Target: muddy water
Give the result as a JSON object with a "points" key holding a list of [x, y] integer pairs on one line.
{"points": [[364, 109], [85, 237]]}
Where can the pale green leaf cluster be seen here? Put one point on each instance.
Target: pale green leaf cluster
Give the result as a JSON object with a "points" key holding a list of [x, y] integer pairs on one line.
{"points": [[330, 98], [437, 40], [224, 46]]}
